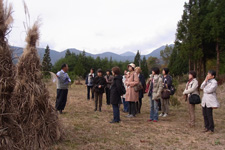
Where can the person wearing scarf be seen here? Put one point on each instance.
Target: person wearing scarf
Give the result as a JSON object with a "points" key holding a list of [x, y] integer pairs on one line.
{"points": [[191, 88]]}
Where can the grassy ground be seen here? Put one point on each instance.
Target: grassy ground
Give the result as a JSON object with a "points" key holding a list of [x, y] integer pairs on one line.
{"points": [[88, 130]]}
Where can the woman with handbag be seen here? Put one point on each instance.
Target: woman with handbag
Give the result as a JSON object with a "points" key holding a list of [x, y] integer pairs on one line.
{"points": [[167, 82], [155, 90], [209, 100], [132, 96], [141, 91], [191, 88]]}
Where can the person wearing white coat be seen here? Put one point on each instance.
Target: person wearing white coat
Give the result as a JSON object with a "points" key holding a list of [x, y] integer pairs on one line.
{"points": [[209, 100]]}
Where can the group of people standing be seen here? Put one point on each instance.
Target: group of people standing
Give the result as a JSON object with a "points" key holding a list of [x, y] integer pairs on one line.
{"points": [[130, 88], [209, 99]]}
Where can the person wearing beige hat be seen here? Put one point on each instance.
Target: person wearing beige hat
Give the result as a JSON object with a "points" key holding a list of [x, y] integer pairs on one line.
{"points": [[131, 95]]}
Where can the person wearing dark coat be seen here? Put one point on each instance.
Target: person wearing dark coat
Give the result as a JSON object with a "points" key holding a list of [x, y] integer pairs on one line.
{"points": [[99, 84], [167, 83], [117, 90], [141, 92], [89, 84], [109, 80]]}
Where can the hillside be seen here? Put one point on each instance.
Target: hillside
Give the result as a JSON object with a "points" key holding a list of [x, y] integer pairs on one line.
{"points": [[55, 55]]}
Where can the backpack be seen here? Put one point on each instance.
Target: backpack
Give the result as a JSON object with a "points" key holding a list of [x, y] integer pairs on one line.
{"points": [[172, 88]]}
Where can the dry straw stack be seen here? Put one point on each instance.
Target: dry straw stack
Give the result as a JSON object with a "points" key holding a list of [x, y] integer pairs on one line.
{"points": [[37, 121], [27, 118], [7, 71]]}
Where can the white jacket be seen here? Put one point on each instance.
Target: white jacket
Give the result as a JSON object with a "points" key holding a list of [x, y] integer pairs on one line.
{"points": [[124, 79], [192, 88], [209, 94]]}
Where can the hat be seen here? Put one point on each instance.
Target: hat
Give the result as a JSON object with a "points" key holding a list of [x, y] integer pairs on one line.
{"points": [[132, 65], [100, 70]]}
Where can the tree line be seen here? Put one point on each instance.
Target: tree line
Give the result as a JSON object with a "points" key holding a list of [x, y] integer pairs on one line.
{"points": [[80, 64], [199, 46], [200, 40]]}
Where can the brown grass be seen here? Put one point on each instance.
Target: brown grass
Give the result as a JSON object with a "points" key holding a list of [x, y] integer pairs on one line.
{"points": [[7, 72], [36, 124], [86, 129]]}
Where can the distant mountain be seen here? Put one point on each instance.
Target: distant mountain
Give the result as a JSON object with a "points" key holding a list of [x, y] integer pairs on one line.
{"points": [[128, 54], [55, 55], [156, 53]]}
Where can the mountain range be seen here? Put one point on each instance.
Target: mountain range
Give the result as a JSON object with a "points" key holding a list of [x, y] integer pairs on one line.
{"points": [[55, 55]]}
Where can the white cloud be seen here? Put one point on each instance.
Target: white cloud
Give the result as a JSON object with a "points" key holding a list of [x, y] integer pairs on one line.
{"points": [[100, 25]]}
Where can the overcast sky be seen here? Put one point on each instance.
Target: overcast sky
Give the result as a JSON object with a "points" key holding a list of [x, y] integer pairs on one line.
{"points": [[98, 26]]}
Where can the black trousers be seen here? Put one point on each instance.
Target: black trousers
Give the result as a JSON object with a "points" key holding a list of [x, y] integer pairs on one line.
{"points": [[132, 108], [107, 92], [61, 99], [208, 118], [116, 112], [89, 90], [138, 105], [159, 104]]}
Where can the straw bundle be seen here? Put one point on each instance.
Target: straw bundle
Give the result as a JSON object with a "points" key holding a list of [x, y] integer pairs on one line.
{"points": [[37, 121], [7, 81]]}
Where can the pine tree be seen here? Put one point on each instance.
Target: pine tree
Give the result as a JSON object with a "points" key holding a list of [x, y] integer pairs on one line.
{"points": [[177, 64], [110, 62], [46, 63], [144, 67], [68, 53], [217, 21], [137, 59], [153, 62], [165, 54]]}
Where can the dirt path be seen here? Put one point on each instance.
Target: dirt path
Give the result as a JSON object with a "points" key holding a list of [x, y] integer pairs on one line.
{"points": [[89, 130]]}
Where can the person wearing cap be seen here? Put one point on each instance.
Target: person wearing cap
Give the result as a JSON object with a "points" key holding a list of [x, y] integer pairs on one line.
{"points": [[99, 84], [109, 81], [131, 95]]}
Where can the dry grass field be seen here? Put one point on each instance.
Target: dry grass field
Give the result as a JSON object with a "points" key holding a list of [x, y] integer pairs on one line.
{"points": [[88, 130]]}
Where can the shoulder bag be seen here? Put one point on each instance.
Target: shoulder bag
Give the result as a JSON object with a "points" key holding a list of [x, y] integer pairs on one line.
{"points": [[137, 87]]}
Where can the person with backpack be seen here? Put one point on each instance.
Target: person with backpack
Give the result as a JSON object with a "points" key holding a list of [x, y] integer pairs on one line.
{"points": [[167, 83], [154, 93], [141, 92], [191, 88], [89, 84], [132, 96], [117, 90], [109, 80], [209, 100], [99, 84]]}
